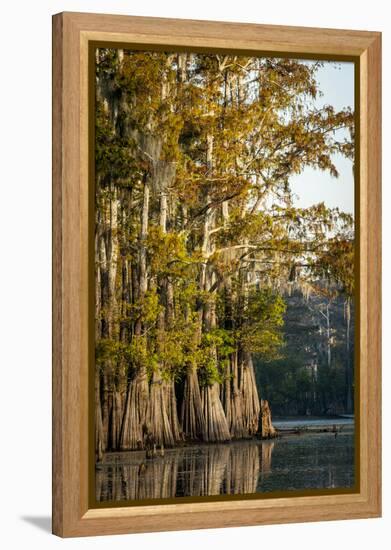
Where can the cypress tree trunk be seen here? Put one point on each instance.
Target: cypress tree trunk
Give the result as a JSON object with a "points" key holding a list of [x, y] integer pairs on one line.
{"points": [[216, 427], [237, 427], [105, 408], [99, 438], [162, 416], [157, 419], [172, 411], [102, 329], [131, 436], [247, 383], [226, 395], [192, 416], [137, 392], [99, 435], [107, 285], [115, 420], [168, 319], [251, 405], [233, 402], [112, 399], [268, 430]]}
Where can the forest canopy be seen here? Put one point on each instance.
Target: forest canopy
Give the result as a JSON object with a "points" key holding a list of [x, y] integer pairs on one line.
{"points": [[197, 237]]}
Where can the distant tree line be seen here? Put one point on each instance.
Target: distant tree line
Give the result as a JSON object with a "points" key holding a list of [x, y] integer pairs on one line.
{"points": [[314, 373]]}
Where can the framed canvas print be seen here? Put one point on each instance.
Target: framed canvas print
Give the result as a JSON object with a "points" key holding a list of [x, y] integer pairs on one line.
{"points": [[216, 274]]}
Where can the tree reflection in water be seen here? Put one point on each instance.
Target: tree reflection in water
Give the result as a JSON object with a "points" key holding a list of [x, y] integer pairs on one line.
{"points": [[292, 463], [206, 470]]}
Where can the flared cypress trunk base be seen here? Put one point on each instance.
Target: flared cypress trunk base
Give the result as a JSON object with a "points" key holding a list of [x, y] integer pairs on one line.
{"points": [[192, 414], [115, 420], [172, 411], [216, 427], [251, 405], [268, 431], [157, 419], [237, 427], [135, 412]]}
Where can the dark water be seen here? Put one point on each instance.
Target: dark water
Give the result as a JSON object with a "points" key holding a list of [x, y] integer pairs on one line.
{"points": [[309, 461]]}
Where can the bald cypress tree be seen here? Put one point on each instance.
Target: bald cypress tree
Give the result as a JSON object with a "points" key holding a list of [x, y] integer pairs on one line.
{"points": [[197, 238]]}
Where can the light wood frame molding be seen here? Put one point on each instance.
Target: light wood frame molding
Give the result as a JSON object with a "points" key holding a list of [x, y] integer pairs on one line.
{"points": [[71, 35]]}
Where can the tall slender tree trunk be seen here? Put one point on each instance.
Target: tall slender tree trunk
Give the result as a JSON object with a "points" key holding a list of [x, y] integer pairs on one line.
{"points": [[113, 400], [137, 392], [248, 389], [99, 434], [162, 416], [99, 438], [216, 426], [192, 415]]}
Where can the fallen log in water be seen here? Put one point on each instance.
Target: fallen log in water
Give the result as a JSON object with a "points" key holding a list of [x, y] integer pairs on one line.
{"points": [[299, 430]]}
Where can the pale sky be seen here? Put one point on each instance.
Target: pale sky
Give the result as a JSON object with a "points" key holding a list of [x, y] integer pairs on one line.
{"points": [[313, 186]]}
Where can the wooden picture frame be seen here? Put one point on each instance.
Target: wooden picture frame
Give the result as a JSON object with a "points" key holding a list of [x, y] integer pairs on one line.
{"points": [[72, 33]]}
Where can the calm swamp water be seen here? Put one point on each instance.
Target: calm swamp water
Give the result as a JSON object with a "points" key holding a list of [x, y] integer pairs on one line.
{"points": [[294, 462]]}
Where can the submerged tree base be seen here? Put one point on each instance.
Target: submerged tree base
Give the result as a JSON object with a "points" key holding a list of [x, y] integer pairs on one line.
{"points": [[267, 429]]}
